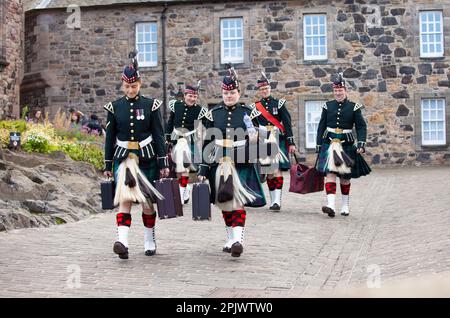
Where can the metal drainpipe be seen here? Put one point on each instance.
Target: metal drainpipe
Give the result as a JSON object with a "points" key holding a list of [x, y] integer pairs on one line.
{"points": [[164, 61]]}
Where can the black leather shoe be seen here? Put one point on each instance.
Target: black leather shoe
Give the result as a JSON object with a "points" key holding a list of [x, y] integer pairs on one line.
{"points": [[328, 211], [120, 250], [150, 252], [236, 249], [275, 207], [226, 250]]}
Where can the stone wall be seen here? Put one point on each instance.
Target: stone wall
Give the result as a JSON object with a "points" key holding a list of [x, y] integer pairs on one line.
{"points": [[11, 56], [375, 45]]}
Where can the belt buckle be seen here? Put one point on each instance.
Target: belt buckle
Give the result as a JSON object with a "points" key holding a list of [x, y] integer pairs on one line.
{"points": [[339, 131], [227, 143], [335, 140], [133, 145], [225, 159]]}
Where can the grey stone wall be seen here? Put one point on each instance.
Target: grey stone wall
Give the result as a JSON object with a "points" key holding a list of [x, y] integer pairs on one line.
{"points": [[375, 44], [11, 56]]}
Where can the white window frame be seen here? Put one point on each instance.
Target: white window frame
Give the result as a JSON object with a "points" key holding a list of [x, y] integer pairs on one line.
{"points": [[428, 102], [314, 57], [424, 15], [318, 111], [153, 42], [231, 59]]}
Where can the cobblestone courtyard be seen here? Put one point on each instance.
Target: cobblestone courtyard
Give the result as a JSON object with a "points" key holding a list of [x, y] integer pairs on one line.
{"points": [[398, 229]]}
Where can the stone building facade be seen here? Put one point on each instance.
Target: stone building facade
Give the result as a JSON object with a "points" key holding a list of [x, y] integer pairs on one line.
{"points": [[376, 44], [11, 56]]}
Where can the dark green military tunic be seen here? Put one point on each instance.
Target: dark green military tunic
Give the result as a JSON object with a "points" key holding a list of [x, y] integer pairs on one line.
{"points": [[135, 120], [183, 118], [342, 116], [227, 119], [278, 109]]}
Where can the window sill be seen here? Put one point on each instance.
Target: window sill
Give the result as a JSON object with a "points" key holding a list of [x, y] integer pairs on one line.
{"points": [[437, 58], [434, 147], [150, 68], [237, 66], [316, 62]]}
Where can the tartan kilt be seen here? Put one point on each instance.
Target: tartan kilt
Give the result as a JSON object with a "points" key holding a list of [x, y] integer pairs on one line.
{"points": [[359, 169], [148, 167], [284, 166], [248, 177]]}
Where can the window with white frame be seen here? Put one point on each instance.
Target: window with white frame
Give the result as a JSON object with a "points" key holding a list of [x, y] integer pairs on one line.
{"points": [[313, 111], [315, 37], [433, 121], [232, 40], [147, 43], [431, 34]]}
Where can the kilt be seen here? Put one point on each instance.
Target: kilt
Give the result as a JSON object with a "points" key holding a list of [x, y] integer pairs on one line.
{"points": [[148, 167], [248, 177], [284, 166], [360, 167]]}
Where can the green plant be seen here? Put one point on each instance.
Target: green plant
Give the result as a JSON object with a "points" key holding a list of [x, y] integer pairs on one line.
{"points": [[59, 221], [45, 138], [38, 142], [25, 111], [13, 125], [86, 152]]}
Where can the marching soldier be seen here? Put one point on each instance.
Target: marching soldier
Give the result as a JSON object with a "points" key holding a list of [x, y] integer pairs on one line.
{"points": [[275, 118], [338, 155], [232, 176], [182, 131], [135, 152]]}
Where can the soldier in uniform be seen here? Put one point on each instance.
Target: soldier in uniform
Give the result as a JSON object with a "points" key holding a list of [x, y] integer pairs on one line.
{"points": [[135, 153], [275, 118], [182, 131], [338, 155], [232, 174]]}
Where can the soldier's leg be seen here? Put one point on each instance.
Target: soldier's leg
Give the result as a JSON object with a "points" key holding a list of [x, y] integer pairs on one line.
{"points": [[278, 183], [149, 220], [345, 192], [123, 220], [228, 218], [183, 179], [238, 224], [330, 188], [271, 186]]}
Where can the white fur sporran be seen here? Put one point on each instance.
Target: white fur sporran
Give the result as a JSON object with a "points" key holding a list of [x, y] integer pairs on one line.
{"points": [[241, 195], [126, 194], [181, 154], [336, 146]]}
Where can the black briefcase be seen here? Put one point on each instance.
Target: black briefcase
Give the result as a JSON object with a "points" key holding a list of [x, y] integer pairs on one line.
{"points": [[107, 192], [201, 205], [170, 206]]}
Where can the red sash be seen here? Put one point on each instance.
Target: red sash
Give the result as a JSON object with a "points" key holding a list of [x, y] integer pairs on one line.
{"points": [[270, 117]]}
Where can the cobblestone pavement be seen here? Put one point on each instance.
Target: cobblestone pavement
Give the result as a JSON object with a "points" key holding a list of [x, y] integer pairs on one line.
{"points": [[398, 229]]}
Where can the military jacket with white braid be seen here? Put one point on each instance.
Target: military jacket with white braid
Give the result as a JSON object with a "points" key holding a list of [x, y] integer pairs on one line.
{"points": [[343, 115], [183, 116], [227, 119], [278, 109], [135, 120]]}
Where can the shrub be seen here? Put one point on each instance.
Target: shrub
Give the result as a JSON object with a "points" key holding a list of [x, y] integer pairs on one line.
{"points": [[13, 125], [45, 138]]}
